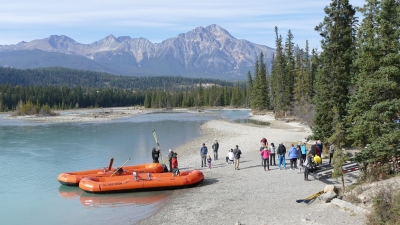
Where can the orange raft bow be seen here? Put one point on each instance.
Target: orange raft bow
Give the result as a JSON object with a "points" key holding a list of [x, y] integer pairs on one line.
{"points": [[141, 182], [73, 178]]}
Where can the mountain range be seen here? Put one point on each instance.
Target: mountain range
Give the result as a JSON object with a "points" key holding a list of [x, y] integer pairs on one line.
{"points": [[204, 52]]}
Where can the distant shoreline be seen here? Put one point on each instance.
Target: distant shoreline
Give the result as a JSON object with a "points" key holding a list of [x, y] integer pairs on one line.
{"points": [[98, 114]]}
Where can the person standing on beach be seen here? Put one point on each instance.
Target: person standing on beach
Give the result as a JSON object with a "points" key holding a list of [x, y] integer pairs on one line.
{"points": [[237, 153], [308, 165], [313, 150], [303, 152], [292, 155], [264, 142], [262, 159], [331, 151], [175, 170], [272, 155], [215, 148], [170, 155], [281, 156], [155, 154], [203, 154], [265, 154], [209, 161], [320, 146], [299, 161]]}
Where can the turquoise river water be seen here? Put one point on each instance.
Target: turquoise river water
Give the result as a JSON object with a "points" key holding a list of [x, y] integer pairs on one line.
{"points": [[33, 154]]}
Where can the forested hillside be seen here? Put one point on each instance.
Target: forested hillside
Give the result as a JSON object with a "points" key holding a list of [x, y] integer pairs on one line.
{"points": [[58, 76]]}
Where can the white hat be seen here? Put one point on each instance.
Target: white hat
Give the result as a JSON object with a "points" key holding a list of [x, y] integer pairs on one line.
{"points": [[170, 150]]}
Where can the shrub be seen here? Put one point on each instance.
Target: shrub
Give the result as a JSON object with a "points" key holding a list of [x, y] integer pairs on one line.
{"points": [[386, 207]]}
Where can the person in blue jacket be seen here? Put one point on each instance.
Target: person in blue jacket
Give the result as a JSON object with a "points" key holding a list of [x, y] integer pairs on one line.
{"points": [[292, 155], [203, 154], [303, 151]]}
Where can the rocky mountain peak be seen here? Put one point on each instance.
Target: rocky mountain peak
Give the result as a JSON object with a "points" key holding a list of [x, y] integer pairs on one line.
{"points": [[123, 38], [61, 42], [203, 52]]}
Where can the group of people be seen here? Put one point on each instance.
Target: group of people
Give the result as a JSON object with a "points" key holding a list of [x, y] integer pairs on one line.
{"points": [[172, 159], [232, 156], [297, 155]]}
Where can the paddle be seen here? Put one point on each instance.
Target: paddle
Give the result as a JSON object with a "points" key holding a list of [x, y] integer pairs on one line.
{"points": [[120, 167], [155, 138], [111, 162], [310, 198]]}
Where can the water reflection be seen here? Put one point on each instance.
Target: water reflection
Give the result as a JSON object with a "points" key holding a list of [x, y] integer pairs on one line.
{"points": [[123, 199], [69, 192], [113, 200]]}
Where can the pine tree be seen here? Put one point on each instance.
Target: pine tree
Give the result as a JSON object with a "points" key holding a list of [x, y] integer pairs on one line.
{"points": [[290, 70], [334, 76], [249, 86], [255, 90], [147, 100], [260, 90], [278, 74], [375, 105], [200, 95], [264, 87]]}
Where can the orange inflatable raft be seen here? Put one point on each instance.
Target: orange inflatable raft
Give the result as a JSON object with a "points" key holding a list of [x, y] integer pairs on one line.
{"points": [[73, 178], [141, 182]]}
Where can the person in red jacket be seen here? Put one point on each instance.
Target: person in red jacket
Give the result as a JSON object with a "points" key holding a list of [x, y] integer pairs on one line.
{"points": [[175, 170]]}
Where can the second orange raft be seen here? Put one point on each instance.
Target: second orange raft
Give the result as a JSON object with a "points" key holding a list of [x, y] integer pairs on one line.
{"points": [[141, 182]]}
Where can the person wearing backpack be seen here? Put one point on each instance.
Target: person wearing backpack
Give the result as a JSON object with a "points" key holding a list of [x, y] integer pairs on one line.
{"points": [[155, 154]]}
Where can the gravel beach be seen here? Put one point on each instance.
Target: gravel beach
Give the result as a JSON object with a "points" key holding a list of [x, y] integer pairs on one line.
{"points": [[249, 195]]}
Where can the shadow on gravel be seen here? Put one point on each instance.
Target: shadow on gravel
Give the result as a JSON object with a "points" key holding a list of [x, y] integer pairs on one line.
{"points": [[209, 181], [243, 168]]}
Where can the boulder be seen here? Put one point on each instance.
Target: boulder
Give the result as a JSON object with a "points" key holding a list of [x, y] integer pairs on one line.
{"points": [[328, 196], [330, 188]]}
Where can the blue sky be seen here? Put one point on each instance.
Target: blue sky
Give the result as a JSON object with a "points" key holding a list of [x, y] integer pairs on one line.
{"points": [[87, 21]]}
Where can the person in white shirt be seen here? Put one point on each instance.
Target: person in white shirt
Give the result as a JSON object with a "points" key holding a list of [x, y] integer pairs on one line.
{"points": [[230, 156]]}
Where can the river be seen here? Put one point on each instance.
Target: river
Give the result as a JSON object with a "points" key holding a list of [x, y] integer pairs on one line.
{"points": [[33, 154]]}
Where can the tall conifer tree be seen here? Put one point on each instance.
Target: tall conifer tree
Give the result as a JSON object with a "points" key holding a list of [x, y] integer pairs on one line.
{"points": [[376, 103], [334, 76]]}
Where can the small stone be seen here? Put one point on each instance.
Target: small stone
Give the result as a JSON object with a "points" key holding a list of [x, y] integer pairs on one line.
{"points": [[305, 220]]}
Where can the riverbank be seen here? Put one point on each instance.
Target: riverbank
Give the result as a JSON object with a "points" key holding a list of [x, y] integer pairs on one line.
{"points": [[85, 115], [249, 195]]}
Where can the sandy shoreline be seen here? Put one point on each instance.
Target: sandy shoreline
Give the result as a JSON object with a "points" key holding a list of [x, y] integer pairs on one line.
{"points": [[250, 195]]}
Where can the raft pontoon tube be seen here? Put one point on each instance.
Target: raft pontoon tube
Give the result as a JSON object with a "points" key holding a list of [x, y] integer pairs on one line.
{"points": [[73, 178], [141, 182]]}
